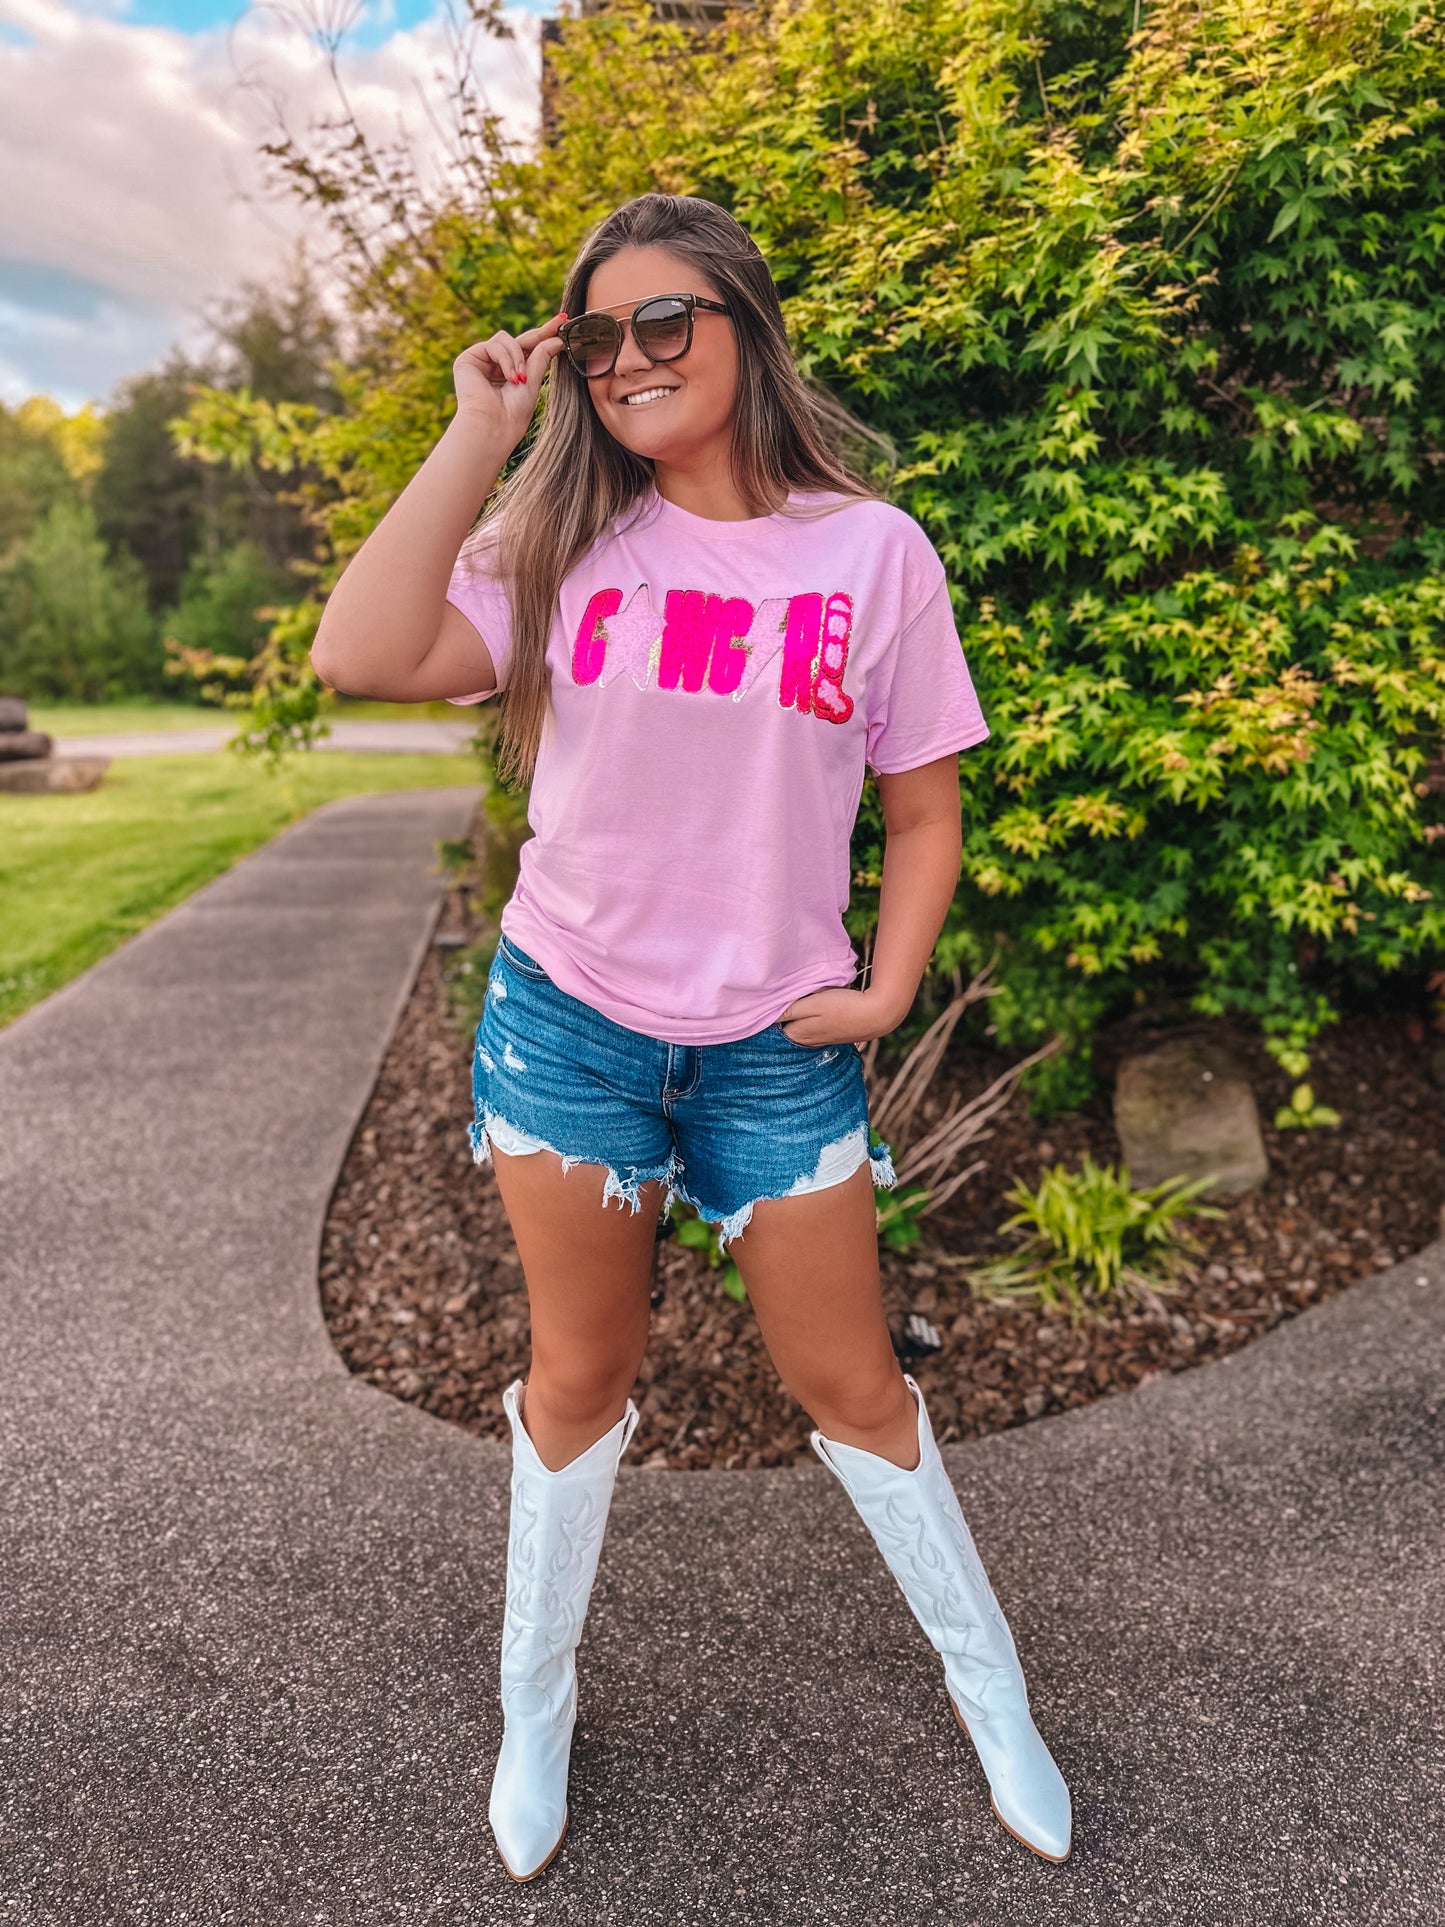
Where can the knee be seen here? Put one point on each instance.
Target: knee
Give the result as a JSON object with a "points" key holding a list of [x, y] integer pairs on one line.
{"points": [[580, 1391], [857, 1401]]}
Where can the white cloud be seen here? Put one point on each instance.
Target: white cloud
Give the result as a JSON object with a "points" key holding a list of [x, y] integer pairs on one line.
{"points": [[128, 153]]}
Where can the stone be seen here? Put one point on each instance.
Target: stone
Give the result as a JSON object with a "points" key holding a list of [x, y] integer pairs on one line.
{"points": [[12, 713], [53, 775], [1186, 1110], [22, 745]]}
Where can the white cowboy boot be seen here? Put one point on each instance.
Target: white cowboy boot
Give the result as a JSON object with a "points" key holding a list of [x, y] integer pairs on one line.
{"points": [[554, 1541], [919, 1528]]}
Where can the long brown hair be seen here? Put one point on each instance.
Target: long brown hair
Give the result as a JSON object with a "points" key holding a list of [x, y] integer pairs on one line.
{"points": [[576, 480]]}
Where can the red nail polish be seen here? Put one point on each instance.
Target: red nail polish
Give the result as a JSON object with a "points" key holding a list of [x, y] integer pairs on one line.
{"points": [[523, 375]]}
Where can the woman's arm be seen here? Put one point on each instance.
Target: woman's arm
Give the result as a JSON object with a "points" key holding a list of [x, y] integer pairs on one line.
{"points": [[389, 610], [924, 821], [385, 615], [921, 855]]}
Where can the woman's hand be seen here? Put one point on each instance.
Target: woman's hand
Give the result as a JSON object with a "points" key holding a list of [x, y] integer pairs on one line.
{"points": [[840, 1016], [487, 378]]}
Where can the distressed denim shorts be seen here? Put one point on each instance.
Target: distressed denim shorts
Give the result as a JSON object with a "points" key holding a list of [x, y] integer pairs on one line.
{"points": [[723, 1124]]}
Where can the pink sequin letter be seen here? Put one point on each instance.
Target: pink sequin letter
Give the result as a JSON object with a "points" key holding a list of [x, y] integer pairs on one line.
{"points": [[731, 617], [800, 647], [830, 699], [589, 650], [686, 639]]}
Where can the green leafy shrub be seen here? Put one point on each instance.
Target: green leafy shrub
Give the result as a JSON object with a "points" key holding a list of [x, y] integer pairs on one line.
{"points": [[74, 622], [899, 1211], [1302, 1113], [1093, 1239], [700, 1234], [1215, 785], [1149, 302], [221, 622]]}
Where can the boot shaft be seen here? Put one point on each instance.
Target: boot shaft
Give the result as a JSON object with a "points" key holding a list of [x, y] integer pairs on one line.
{"points": [[555, 1534], [918, 1525]]}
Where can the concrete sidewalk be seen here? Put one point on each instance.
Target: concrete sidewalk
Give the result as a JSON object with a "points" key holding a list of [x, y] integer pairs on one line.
{"points": [[251, 1607]]}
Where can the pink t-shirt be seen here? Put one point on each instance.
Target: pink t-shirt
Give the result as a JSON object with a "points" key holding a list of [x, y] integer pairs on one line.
{"points": [[718, 689]]}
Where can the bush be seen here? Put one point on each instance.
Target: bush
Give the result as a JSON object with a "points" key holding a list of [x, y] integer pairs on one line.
{"points": [[1149, 302], [221, 621], [74, 621], [1215, 785], [1094, 1240]]}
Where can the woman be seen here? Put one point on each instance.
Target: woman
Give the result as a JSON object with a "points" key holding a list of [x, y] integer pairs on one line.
{"points": [[706, 625]]}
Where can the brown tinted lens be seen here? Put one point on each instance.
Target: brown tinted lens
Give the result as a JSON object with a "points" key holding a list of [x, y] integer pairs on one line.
{"points": [[592, 343], [661, 329]]}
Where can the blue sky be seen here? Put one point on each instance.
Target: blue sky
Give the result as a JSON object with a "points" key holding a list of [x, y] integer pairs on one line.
{"points": [[196, 16], [131, 195]]}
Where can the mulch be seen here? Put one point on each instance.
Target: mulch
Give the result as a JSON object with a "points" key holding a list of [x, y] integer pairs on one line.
{"points": [[423, 1293]]}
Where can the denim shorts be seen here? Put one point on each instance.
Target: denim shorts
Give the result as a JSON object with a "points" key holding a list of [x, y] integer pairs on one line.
{"points": [[723, 1124]]}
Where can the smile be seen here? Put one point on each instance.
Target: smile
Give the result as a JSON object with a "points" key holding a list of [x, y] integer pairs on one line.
{"points": [[647, 394]]}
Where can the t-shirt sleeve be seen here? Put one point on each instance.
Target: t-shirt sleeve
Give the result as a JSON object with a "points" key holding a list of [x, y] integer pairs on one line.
{"points": [[482, 599], [927, 707]]}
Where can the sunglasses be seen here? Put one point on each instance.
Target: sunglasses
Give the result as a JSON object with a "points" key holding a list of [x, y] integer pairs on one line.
{"points": [[661, 327]]}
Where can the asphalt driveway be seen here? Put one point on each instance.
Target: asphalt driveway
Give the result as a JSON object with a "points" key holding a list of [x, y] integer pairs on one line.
{"points": [[251, 1608]]}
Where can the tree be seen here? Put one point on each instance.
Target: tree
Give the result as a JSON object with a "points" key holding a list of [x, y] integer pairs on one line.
{"points": [[222, 619], [162, 507], [272, 342], [34, 474], [74, 625]]}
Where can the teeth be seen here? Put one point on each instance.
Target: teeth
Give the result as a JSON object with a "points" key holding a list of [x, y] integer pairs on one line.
{"points": [[648, 394]]}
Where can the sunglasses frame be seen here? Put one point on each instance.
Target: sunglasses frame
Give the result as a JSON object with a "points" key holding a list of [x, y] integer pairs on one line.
{"points": [[690, 301]]}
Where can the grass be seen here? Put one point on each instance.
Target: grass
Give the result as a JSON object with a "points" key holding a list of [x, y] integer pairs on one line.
{"points": [[137, 716], [80, 874]]}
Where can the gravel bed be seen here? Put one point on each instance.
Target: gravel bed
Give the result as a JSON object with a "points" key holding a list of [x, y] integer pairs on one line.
{"points": [[423, 1292]]}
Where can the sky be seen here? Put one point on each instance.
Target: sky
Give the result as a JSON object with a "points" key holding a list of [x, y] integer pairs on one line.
{"points": [[132, 192]]}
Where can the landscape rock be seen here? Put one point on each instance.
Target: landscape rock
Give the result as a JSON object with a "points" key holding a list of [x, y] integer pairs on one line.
{"points": [[53, 775], [17, 745], [12, 713], [1186, 1110]]}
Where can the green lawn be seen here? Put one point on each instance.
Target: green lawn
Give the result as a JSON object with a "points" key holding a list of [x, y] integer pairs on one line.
{"points": [[79, 874], [97, 719]]}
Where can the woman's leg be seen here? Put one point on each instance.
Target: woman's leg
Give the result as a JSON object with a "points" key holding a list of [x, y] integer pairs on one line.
{"points": [[810, 1264], [588, 1270], [587, 1264]]}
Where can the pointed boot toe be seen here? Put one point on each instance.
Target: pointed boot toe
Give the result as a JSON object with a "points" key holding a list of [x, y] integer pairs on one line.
{"points": [[1049, 1842], [522, 1837], [528, 1805], [1027, 1792]]}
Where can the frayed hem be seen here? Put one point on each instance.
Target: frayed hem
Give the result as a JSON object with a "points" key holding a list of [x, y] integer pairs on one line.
{"points": [[516, 1142], [735, 1223], [884, 1176]]}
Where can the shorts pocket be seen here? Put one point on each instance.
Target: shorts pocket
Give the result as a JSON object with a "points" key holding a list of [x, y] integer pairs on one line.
{"points": [[519, 961], [778, 1027]]}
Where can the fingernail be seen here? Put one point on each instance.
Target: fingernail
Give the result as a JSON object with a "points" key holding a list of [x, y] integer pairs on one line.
{"points": [[523, 376]]}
